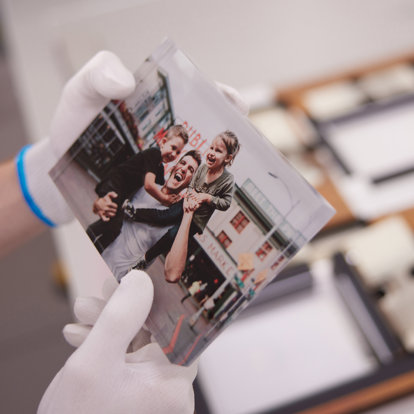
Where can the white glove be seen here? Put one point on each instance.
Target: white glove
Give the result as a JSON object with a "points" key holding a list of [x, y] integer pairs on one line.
{"points": [[103, 78], [100, 377], [234, 98]]}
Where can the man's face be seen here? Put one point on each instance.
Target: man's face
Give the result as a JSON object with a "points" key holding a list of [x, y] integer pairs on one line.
{"points": [[181, 174]]}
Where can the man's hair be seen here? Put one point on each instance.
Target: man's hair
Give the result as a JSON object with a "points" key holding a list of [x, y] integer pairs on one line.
{"points": [[192, 153], [177, 131], [231, 142]]}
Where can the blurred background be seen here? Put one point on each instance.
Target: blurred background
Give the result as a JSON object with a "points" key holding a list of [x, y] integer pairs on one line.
{"points": [[331, 84]]}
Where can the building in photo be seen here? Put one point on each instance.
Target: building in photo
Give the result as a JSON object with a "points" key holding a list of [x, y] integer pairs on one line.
{"points": [[251, 227], [150, 104]]}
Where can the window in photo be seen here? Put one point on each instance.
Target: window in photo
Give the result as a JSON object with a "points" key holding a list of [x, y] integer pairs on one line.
{"points": [[224, 239], [239, 222], [279, 260], [264, 251]]}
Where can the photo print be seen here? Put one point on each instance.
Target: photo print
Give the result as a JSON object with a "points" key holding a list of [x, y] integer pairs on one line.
{"points": [[175, 181]]}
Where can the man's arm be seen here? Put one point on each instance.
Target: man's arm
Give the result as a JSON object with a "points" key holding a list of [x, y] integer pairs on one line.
{"points": [[176, 258]]}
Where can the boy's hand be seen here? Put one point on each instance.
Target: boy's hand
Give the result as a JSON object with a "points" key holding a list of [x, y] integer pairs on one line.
{"points": [[105, 207]]}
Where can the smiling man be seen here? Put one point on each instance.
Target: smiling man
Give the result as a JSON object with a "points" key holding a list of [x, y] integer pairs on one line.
{"points": [[144, 169], [212, 189], [136, 238]]}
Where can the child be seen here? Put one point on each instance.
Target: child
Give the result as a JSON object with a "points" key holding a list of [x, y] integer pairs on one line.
{"points": [[211, 188], [123, 181]]}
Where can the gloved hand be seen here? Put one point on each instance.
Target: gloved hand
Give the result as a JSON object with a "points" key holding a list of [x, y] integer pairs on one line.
{"points": [[103, 78], [100, 377]]}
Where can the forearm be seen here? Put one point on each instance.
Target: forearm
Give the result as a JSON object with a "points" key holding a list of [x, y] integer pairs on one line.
{"points": [[17, 222], [176, 258], [221, 203], [154, 191]]}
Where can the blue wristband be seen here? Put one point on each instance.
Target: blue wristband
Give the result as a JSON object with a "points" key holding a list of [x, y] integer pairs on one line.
{"points": [[25, 191]]}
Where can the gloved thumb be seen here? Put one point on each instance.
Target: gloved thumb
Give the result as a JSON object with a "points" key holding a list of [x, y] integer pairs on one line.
{"points": [[121, 319], [103, 78]]}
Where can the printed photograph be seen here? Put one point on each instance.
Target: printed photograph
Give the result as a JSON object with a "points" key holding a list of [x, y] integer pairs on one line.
{"points": [[175, 181]]}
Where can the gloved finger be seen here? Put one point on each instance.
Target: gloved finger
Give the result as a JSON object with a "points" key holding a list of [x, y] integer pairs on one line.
{"points": [[88, 309], [121, 319], [76, 333], [104, 77], [234, 97]]}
